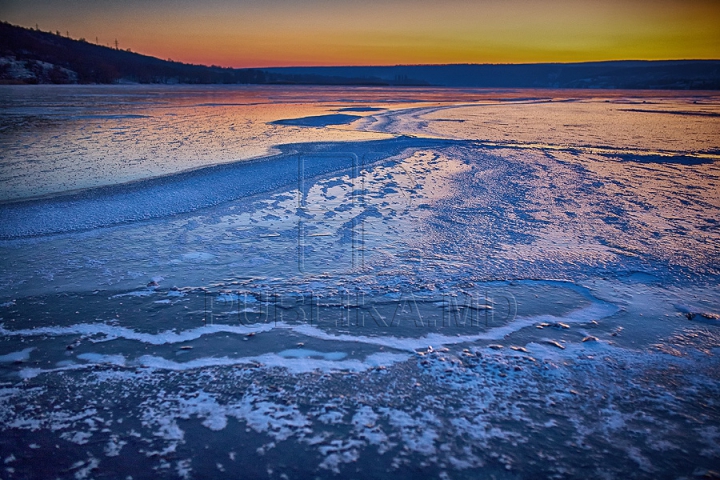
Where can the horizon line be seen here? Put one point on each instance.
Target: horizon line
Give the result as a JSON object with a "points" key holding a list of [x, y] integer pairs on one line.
{"points": [[559, 62]]}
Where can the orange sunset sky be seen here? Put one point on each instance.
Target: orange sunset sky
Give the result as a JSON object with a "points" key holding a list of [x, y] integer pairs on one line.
{"points": [[257, 33]]}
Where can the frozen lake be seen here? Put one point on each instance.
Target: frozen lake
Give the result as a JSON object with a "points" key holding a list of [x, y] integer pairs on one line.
{"points": [[301, 282]]}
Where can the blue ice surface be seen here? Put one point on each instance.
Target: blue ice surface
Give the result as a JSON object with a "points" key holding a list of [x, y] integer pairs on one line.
{"points": [[676, 159], [360, 109], [319, 120], [192, 190]]}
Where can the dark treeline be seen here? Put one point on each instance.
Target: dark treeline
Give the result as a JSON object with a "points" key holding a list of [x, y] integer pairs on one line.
{"points": [[99, 64], [32, 56]]}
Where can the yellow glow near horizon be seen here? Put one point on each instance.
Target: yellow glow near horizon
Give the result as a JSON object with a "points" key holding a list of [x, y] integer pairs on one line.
{"points": [[343, 32]]}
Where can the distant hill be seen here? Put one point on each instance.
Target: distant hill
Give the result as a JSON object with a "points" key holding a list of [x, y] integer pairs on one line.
{"points": [[30, 56], [676, 74]]}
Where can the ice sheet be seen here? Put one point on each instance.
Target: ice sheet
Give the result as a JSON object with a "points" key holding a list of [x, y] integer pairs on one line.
{"points": [[458, 283]]}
